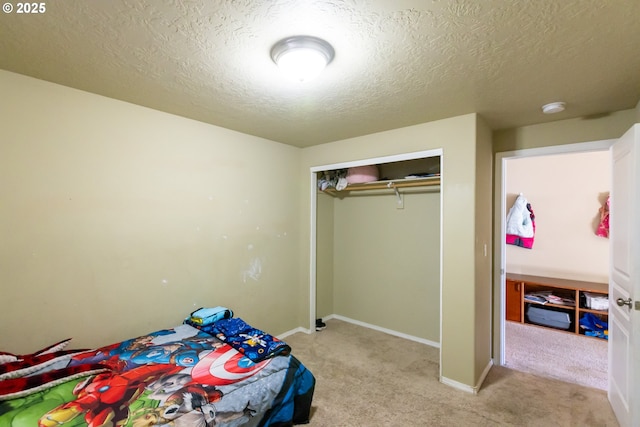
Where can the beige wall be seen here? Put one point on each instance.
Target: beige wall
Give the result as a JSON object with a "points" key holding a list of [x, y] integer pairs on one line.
{"points": [[566, 192], [116, 220], [387, 261], [457, 138], [483, 247], [571, 131]]}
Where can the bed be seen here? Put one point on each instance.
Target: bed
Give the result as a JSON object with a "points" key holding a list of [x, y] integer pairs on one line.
{"points": [[182, 376]]}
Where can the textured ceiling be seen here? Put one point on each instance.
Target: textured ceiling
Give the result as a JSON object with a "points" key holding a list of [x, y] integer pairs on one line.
{"points": [[398, 62]]}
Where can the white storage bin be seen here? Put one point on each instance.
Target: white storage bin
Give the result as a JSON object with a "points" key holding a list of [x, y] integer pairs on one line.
{"points": [[596, 301]]}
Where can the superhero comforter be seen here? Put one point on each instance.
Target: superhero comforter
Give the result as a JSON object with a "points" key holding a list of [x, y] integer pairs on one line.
{"points": [[175, 377]]}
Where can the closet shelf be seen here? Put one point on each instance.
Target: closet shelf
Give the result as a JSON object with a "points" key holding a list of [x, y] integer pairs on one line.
{"points": [[390, 184]]}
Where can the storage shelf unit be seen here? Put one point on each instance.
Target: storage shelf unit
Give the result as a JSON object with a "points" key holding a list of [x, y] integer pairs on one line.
{"points": [[519, 285]]}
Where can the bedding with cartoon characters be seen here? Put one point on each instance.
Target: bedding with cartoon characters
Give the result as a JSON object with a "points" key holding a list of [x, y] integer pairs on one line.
{"points": [[181, 376]]}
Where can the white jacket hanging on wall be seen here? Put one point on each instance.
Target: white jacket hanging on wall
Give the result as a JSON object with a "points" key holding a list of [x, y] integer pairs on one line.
{"points": [[521, 224]]}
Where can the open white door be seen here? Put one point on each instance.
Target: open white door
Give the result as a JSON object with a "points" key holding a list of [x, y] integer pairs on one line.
{"points": [[624, 280]]}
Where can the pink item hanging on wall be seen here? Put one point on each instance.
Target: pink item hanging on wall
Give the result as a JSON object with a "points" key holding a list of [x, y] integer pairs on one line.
{"points": [[603, 226]]}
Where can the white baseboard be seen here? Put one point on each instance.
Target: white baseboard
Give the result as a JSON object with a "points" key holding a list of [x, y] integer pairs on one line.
{"points": [[484, 375], [455, 384], [293, 331], [465, 387], [385, 330]]}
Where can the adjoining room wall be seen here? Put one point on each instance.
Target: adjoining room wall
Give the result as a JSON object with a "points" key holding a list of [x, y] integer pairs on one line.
{"points": [[117, 220], [566, 192], [561, 132]]}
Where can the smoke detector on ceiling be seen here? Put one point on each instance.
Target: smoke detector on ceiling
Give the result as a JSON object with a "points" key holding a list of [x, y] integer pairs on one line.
{"points": [[554, 107]]}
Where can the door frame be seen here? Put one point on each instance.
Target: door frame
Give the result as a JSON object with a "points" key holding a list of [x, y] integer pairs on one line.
{"points": [[500, 212], [314, 217]]}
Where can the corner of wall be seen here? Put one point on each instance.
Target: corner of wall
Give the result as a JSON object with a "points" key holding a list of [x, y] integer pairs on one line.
{"points": [[483, 248]]}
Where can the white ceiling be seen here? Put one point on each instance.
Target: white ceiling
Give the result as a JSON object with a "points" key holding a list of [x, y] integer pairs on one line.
{"points": [[398, 62]]}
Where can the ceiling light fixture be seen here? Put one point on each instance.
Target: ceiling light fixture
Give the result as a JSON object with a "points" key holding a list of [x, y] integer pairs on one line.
{"points": [[302, 57], [554, 107]]}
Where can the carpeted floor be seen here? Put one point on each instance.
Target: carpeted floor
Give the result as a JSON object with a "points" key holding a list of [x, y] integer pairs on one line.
{"points": [[368, 378], [555, 354]]}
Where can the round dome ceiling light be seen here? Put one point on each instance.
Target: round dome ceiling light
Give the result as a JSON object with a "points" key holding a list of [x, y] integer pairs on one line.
{"points": [[554, 107], [302, 57]]}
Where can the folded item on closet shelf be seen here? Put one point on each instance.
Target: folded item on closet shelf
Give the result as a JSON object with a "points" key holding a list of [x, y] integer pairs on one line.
{"points": [[362, 174], [208, 316], [257, 345], [332, 179]]}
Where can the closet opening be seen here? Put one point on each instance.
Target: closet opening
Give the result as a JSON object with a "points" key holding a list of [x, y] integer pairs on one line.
{"points": [[376, 244]]}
